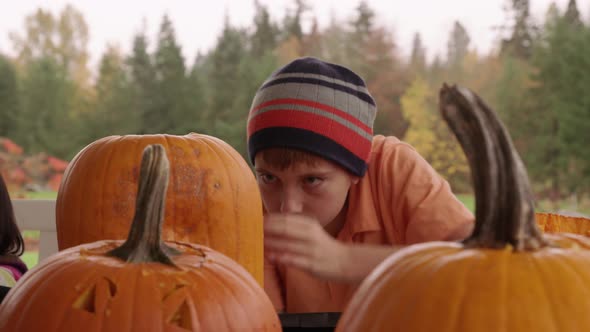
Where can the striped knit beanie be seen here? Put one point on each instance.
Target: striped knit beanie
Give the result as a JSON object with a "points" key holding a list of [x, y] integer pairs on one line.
{"points": [[317, 107]]}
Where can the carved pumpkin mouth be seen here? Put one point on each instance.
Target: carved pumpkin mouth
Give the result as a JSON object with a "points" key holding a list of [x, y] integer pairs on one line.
{"points": [[97, 299]]}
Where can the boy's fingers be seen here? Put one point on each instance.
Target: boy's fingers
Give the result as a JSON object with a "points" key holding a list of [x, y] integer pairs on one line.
{"points": [[286, 227], [282, 245], [296, 219], [300, 262]]}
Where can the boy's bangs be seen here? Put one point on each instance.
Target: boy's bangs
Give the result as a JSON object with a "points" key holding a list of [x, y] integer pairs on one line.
{"points": [[281, 158]]}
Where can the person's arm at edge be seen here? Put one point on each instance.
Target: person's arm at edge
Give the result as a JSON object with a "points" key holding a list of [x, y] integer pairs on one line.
{"points": [[359, 260]]}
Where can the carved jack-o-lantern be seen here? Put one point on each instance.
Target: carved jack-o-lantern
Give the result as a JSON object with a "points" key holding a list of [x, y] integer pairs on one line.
{"points": [[142, 284]]}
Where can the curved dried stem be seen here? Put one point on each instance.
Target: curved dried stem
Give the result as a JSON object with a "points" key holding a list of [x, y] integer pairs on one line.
{"points": [[504, 209], [144, 243]]}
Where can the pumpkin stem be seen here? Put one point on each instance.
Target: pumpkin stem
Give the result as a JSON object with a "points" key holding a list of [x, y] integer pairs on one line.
{"points": [[504, 208], [144, 243]]}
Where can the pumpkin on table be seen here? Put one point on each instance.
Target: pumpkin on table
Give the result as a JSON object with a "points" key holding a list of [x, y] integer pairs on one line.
{"points": [[142, 284], [212, 199], [560, 223], [507, 276]]}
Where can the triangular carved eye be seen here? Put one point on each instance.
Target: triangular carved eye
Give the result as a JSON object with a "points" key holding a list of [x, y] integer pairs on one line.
{"points": [[96, 297], [177, 307]]}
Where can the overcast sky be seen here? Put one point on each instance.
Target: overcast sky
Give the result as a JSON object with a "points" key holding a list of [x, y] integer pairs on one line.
{"points": [[198, 22]]}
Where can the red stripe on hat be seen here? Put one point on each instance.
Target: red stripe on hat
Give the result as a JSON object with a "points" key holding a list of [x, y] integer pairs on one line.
{"points": [[348, 138], [321, 106]]}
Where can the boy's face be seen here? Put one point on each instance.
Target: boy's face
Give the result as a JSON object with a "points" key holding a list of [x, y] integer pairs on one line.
{"points": [[316, 189]]}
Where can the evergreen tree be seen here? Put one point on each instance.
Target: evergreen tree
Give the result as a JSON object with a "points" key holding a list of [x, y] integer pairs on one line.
{"points": [[226, 80], [197, 95], [143, 81], [171, 113], [563, 99], [266, 33], [292, 21], [9, 103], [572, 14], [418, 56], [46, 123], [372, 53], [457, 50], [113, 112], [313, 42], [334, 42], [520, 42]]}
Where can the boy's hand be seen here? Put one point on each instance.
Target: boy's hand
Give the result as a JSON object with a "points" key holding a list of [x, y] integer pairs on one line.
{"points": [[300, 241]]}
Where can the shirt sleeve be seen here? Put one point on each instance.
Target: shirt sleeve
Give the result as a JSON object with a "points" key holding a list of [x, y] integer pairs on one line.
{"points": [[6, 277], [425, 208], [273, 285]]}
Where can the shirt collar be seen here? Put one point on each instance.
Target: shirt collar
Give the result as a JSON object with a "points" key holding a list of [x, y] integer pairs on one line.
{"points": [[362, 211]]}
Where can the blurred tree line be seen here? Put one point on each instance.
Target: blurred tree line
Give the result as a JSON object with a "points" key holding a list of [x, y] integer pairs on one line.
{"points": [[537, 78]]}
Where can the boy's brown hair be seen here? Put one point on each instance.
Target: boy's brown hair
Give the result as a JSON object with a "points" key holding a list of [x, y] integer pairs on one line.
{"points": [[283, 158]]}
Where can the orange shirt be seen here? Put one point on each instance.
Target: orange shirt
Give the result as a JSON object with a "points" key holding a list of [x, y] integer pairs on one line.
{"points": [[400, 200]]}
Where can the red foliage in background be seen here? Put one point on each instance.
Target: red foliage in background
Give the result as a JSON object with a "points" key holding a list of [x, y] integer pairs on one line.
{"points": [[33, 172]]}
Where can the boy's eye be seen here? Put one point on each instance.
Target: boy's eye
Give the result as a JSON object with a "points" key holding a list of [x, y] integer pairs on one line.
{"points": [[266, 178], [313, 180]]}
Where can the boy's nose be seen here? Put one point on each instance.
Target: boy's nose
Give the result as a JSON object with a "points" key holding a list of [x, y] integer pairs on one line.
{"points": [[291, 204]]}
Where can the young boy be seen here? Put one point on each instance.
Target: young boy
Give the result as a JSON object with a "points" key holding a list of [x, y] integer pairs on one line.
{"points": [[337, 199]]}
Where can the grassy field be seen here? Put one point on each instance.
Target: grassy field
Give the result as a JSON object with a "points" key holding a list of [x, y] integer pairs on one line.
{"points": [[468, 200], [31, 258], [42, 195]]}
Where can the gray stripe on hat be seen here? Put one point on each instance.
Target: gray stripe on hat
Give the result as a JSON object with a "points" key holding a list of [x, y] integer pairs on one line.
{"points": [[319, 77], [317, 111], [343, 101]]}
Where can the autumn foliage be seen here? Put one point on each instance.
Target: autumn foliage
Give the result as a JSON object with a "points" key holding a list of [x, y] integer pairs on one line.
{"points": [[34, 172]]}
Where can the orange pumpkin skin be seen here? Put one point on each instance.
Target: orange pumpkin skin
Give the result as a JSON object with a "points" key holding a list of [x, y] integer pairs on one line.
{"points": [[80, 289], [559, 223], [442, 286], [212, 198]]}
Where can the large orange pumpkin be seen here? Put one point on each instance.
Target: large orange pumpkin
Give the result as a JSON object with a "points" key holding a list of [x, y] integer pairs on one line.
{"points": [[140, 285], [507, 276], [212, 199]]}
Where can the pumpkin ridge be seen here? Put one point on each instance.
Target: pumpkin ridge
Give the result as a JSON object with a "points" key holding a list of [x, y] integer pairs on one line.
{"points": [[440, 262], [229, 289], [567, 261], [47, 277], [462, 298], [540, 272], [216, 293], [106, 166], [235, 193], [167, 147]]}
